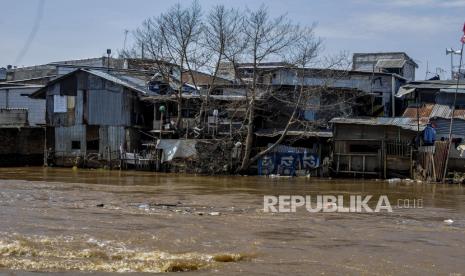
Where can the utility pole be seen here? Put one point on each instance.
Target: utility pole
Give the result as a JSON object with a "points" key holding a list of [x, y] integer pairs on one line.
{"points": [[453, 111]]}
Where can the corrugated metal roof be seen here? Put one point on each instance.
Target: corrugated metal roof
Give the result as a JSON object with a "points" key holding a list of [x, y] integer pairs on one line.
{"points": [[304, 133], [424, 111], [173, 97], [433, 84], [7, 85], [390, 63], [445, 111], [453, 89], [131, 82], [404, 91], [433, 111], [447, 86], [402, 122]]}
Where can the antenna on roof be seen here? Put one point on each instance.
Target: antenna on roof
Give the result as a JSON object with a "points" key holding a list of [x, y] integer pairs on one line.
{"points": [[125, 38], [452, 52]]}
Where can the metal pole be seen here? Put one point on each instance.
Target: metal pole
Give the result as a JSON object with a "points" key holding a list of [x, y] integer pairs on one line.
{"points": [[7, 102], [417, 94], [452, 65], [393, 98], [161, 124], [108, 59], [452, 117], [45, 146]]}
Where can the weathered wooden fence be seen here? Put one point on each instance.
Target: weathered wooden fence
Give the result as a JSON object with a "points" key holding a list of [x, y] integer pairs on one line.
{"points": [[432, 160]]}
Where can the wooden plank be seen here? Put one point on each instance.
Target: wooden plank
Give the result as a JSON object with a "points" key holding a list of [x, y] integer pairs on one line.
{"points": [[363, 163]]}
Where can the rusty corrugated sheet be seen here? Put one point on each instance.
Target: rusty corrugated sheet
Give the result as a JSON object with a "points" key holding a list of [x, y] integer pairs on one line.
{"points": [[445, 111], [424, 111], [433, 111]]}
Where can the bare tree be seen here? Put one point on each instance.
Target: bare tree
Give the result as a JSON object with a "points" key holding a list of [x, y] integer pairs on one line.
{"points": [[267, 38], [222, 41], [172, 37], [185, 38], [302, 52]]}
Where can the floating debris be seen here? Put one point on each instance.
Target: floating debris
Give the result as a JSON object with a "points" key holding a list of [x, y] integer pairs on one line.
{"points": [[448, 221]]}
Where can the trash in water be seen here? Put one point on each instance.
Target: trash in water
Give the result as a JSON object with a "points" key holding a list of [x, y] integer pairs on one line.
{"points": [[215, 214], [408, 180], [144, 206], [448, 221]]}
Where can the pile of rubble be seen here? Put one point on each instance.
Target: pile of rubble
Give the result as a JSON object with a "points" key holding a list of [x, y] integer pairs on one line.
{"points": [[214, 157]]}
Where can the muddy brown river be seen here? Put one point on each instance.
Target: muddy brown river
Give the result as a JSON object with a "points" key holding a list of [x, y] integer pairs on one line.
{"points": [[77, 222]]}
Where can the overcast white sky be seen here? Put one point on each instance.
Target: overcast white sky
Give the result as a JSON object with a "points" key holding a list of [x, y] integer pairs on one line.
{"points": [[86, 28]]}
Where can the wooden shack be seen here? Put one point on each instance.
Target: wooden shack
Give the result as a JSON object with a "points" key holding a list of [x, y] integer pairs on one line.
{"points": [[378, 147]]}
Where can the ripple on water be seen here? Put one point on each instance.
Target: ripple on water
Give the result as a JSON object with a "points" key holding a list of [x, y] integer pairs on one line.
{"points": [[39, 253]]}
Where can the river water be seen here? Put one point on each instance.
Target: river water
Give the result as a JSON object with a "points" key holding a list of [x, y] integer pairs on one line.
{"points": [[112, 222]]}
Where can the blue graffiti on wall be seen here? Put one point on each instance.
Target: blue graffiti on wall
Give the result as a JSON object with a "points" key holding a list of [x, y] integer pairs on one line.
{"points": [[286, 163]]}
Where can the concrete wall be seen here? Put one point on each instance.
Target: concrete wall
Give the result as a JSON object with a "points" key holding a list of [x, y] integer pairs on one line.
{"points": [[2, 74], [13, 117], [366, 62], [31, 72], [381, 84], [16, 97], [21, 146]]}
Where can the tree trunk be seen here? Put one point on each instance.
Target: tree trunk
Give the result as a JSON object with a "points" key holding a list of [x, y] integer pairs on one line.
{"points": [[179, 116], [179, 100], [249, 138]]}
